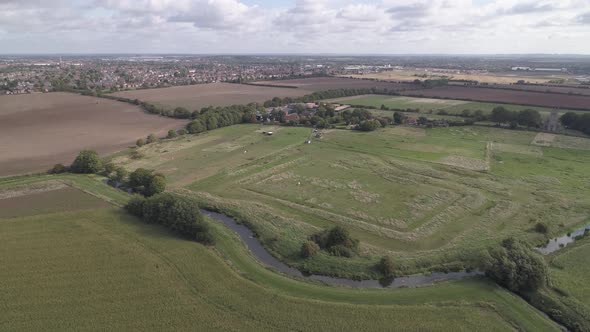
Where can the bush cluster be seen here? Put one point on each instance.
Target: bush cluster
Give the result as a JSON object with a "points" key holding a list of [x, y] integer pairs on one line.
{"points": [[336, 241], [515, 266], [178, 213], [146, 182]]}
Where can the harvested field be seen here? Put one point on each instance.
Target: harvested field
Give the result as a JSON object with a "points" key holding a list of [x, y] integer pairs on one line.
{"points": [[505, 96], [491, 78], [331, 83], [195, 97], [552, 89], [40, 130]]}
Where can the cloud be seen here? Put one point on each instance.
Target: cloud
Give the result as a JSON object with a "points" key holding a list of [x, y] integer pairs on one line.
{"points": [[348, 26]]}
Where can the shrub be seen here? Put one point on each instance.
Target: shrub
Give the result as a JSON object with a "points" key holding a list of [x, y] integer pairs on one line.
{"points": [[309, 249], [140, 142], [340, 251], [336, 237], [108, 168], [87, 162], [386, 267], [171, 134], [542, 228], [181, 132], [58, 169], [368, 125], [152, 138]]}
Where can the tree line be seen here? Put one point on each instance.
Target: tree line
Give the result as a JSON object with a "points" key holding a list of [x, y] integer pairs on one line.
{"points": [[575, 121], [529, 118]]}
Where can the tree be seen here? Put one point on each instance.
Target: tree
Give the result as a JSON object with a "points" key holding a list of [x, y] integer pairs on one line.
{"points": [[309, 249], [155, 185], [152, 138], [515, 266], [171, 134], [501, 115], [423, 121], [369, 125], [529, 118], [87, 162], [181, 113], [569, 119], [139, 177], [140, 142], [196, 126], [135, 205], [398, 118], [386, 267], [181, 132], [118, 176]]}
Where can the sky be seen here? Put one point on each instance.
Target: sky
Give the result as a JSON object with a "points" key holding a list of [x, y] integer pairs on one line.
{"points": [[295, 26]]}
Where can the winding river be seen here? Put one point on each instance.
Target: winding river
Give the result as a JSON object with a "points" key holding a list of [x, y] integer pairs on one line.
{"points": [[267, 259]]}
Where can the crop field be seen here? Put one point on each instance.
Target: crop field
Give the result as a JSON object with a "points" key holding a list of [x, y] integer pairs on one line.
{"points": [[40, 130], [491, 78], [427, 104], [194, 97], [425, 196], [505, 96], [99, 268], [332, 83]]}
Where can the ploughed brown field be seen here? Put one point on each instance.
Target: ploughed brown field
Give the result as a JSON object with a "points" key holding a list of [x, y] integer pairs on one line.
{"points": [[195, 97], [331, 83], [505, 96], [553, 89], [40, 130]]}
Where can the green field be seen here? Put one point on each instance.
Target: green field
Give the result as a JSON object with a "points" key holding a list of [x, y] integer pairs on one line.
{"points": [[569, 272], [430, 198], [426, 105], [91, 266]]}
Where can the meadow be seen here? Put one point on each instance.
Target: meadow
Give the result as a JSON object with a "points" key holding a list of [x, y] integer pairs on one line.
{"points": [[92, 266], [430, 198], [38, 131], [427, 105]]}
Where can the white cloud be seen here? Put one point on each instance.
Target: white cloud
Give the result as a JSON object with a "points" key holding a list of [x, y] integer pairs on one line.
{"points": [[350, 26]]}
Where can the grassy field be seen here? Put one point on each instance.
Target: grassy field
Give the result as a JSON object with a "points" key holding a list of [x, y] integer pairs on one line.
{"points": [[95, 267], [427, 197], [569, 272], [426, 105]]}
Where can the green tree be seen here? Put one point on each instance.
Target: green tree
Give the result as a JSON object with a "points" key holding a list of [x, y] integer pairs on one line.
{"points": [[501, 115], [529, 118], [181, 113], [515, 266], [87, 162], [196, 127], [155, 185], [369, 125]]}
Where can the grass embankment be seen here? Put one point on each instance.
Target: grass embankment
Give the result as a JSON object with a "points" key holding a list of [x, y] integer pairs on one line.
{"points": [[430, 198], [101, 268]]}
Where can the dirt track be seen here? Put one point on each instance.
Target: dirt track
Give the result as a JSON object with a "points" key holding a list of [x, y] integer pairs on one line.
{"points": [[40, 130]]}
